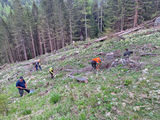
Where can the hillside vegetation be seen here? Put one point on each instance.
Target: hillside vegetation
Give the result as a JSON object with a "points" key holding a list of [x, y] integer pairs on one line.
{"points": [[117, 93]]}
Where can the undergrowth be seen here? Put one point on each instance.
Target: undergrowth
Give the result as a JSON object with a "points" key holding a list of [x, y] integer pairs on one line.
{"points": [[116, 93]]}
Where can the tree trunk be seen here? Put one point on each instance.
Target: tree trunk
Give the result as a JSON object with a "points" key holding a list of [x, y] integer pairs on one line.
{"points": [[10, 53], [44, 43], [5, 50], [122, 19], [98, 19], [62, 37], [157, 5], [33, 45], [40, 43], [54, 40], [61, 29], [50, 39], [18, 58], [136, 14], [23, 44], [101, 28], [85, 19], [70, 26], [24, 50]]}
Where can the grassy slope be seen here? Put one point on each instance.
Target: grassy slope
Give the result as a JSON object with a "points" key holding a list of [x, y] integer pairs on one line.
{"points": [[104, 97]]}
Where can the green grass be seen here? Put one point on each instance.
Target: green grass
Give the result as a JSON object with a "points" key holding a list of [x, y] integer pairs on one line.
{"points": [[26, 112], [118, 93], [55, 98]]}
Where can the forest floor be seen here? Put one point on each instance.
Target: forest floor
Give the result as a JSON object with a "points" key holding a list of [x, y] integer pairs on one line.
{"points": [[118, 93]]}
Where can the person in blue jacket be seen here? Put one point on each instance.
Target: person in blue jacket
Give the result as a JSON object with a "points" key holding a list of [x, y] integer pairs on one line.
{"points": [[21, 85]]}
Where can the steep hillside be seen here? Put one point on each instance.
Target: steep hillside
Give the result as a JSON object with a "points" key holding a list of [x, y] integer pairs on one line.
{"points": [[117, 93]]}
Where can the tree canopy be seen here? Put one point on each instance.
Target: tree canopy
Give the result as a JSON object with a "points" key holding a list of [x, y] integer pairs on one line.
{"points": [[31, 28]]}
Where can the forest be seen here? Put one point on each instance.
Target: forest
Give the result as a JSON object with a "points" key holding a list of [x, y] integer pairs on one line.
{"points": [[30, 28]]}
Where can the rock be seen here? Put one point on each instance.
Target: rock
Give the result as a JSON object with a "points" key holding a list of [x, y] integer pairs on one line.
{"points": [[117, 53], [88, 68], [145, 71], [108, 114], [110, 58], [79, 79], [135, 58], [157, 22], [124, 104], [131, 95], [113, 93], [136, 108], [143, 96], [101, 53], [63, 58]]}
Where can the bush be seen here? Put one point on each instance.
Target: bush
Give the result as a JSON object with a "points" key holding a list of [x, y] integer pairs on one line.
{"points": [[55, 98], [82, 116], [127, 82], [27, 112], [3, 104], [81, 65]]}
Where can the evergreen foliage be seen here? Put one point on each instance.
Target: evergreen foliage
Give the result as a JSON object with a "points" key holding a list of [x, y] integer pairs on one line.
{"points": [[32, 28]]}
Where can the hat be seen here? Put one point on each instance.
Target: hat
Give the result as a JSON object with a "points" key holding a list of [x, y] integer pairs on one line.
{"points": [[21, 77]]}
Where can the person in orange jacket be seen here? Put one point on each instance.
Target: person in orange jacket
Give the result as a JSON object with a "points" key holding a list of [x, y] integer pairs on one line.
{"points": [[96, 63]]}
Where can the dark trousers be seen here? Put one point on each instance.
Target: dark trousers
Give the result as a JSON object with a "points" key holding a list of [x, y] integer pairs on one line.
{"points": [[38, 66], [21, 91], [51, 75], [94, 64]]}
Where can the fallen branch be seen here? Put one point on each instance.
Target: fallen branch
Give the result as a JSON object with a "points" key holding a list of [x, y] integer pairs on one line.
{"points": [[119, 34], [101, 39], [79, 79], [71, 70], [149, 54], [3, 66]]}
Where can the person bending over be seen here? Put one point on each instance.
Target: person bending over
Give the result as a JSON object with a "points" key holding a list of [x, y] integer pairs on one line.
{"points": [[51, 72], [21, 85], [96, 63], [127, 53]]}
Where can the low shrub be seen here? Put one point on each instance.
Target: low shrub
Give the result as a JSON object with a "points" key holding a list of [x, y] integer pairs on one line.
{"points": [[55, 98], [127, 82], [3, 104], [26, 112]]}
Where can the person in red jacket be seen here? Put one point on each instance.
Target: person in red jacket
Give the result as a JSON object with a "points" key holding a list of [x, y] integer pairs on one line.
{"points": [[96, 63]]}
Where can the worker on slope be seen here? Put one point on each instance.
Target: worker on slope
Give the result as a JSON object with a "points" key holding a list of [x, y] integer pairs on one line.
{"points": [[96, 63], [51, 72], [21, 85], [127, 53], [125, 60], [38, 65]]}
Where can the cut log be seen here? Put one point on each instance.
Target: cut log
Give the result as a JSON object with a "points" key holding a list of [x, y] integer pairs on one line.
{"points": [[3, 66], [101, 39], [88, 68], [79, 79], [120, 34], [102, 53], [71, 70], [149, 54]]}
